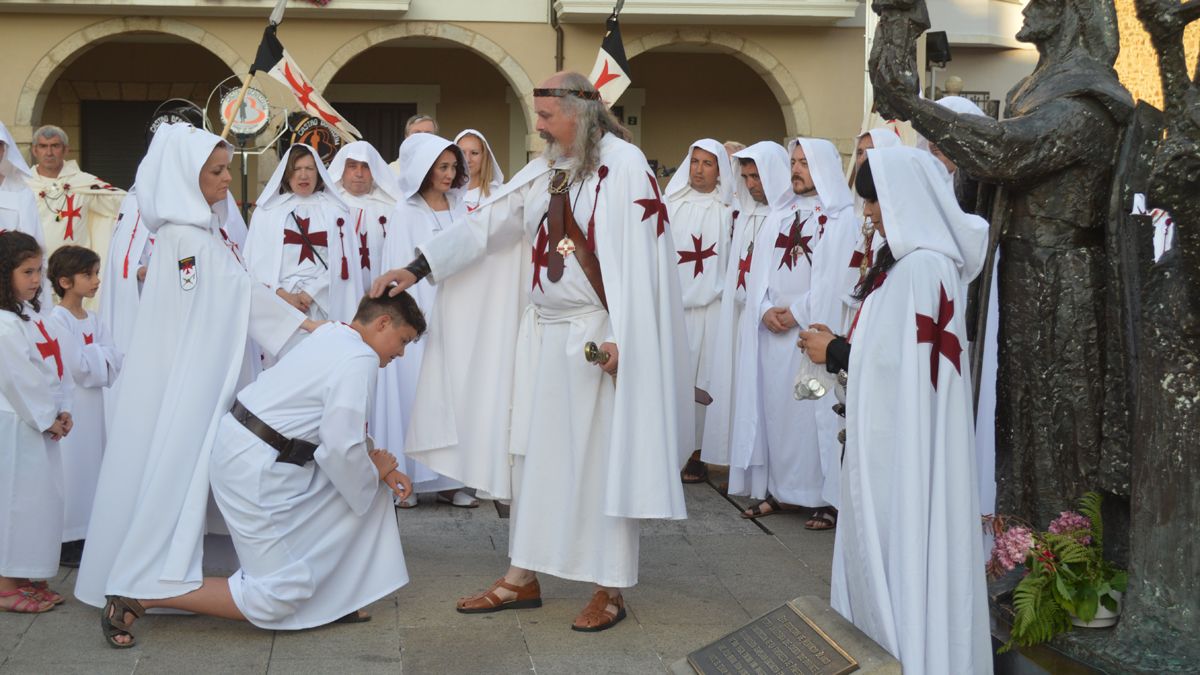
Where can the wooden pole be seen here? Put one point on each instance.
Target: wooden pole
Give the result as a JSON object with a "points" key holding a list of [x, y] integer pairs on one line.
{"points": [[237, 105]]}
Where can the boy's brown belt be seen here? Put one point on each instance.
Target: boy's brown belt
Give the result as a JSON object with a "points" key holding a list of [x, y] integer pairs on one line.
{"points": [[291, 450]]}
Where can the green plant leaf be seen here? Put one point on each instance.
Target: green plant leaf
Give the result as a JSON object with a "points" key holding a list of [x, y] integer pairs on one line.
{"points": [[1063, 594], [1089, 505], [1088, 602], [1109, 603], [1119, 580]]}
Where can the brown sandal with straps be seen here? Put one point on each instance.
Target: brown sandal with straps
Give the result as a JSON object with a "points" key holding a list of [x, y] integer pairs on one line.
{"points": [[529, 596], [113, 622], [596, 617]]}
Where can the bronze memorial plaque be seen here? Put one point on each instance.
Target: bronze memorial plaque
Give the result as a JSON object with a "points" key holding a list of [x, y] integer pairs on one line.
{"points": [[781, 641]]}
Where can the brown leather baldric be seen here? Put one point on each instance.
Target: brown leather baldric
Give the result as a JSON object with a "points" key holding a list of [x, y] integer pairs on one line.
{"points": [[561, 226]]}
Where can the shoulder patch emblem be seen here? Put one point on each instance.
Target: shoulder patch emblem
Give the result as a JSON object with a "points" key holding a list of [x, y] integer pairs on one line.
{"points": [[187, 273]]}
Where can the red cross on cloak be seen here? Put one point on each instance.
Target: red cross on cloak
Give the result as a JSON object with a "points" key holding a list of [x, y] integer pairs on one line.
{"points": [[933, 331], [541, 255], [89, 338], [606, 76], [306, 248], [697, 256], [49, 348], [744, 267], [856, 260], [364, 253], [70, 212], [654, 206], [793, 244], [303, 91]]}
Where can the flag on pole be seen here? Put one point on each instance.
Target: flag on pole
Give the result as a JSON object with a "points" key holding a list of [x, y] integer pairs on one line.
{"points": [[610, 75], [274, 60]]}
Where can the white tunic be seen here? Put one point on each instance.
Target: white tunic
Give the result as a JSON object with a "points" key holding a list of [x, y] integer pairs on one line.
{"points": [[319, 541], [774, 447], [31, 478], [93, 362], [131, 247], [371, 215], [701, 226]]}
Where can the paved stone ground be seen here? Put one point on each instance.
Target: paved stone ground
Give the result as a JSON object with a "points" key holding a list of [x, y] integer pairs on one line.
{"points": [[700, 578]]}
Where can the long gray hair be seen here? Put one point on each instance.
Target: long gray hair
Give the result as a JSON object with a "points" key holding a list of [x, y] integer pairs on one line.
{"points": [[592, 120]]}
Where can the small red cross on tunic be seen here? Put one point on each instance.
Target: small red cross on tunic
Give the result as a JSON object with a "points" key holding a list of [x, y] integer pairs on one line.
{"points": [[698, 255], [933, 331], [70, 212], [89, 338], [49, 348], [306, 247], [744, 267], [541, 256], [654, 206], [364, 253]]}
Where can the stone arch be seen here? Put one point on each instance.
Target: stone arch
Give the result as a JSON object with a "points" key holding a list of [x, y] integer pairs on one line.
{"points": [[32, 99], [761, 61], [491, 52]]}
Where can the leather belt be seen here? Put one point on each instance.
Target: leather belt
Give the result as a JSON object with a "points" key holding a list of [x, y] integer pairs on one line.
{"points": [[291, 450]]}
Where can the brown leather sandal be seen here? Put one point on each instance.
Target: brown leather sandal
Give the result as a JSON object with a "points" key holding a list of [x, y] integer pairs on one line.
{"points": [[694, 471], [529, 596], [596, 617], [112, 620]]}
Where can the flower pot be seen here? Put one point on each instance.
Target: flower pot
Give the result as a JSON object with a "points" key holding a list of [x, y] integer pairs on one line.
{"points": [[1104, 618]]}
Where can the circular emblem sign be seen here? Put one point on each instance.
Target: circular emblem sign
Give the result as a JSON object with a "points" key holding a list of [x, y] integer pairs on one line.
{"points": [[251, 117], [316, 133]]}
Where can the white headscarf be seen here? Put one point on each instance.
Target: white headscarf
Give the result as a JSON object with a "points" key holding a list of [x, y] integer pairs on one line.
{"points": [[362, 151], [883, 137], [418, 154], [497, 172], [725, 175], [825, 165], [14, 164], [271, 196], [775, 171], [920, 211], [168, 179]]}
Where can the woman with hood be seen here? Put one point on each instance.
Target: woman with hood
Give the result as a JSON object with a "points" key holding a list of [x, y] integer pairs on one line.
{"points": [[908, 569], [299, 236], [433, 179], [482, 167]]}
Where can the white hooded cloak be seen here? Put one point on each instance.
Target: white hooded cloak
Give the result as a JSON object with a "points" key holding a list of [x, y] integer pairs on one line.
{"points": [[473, 196], [908, 568], [372, 212]]}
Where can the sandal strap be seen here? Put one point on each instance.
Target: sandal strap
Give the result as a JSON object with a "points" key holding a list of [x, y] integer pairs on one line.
{"points": [[25, 603]]}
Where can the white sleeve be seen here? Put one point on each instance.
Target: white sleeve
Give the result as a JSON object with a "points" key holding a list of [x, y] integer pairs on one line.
{"points": [[27, 386], [342, 454], [494, 226], [272, 321]]}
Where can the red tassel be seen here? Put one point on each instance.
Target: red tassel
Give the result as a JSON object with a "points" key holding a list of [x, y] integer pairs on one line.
{"points": [[345, 269]]}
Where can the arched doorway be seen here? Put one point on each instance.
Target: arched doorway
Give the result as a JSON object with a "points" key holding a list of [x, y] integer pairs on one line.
{"points": [[691, 84], [102, 83], [460, 78]]}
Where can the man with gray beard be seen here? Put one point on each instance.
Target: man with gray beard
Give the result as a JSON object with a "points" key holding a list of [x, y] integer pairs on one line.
{"points": [[575, 249]]}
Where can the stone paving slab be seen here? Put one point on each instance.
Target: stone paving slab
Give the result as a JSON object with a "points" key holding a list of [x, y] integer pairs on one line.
{"points": [[699, 579]]}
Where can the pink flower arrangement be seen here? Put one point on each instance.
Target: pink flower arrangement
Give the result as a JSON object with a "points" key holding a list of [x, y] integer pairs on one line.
{"points": [[1011, 548], [1069, 522]]}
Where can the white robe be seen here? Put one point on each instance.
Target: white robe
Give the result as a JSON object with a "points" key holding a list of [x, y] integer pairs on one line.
{"points": [[774, 446], [145, 536], [590, 456], [76, 208], [701, 226], [371, 214], [131, 247], [93, 361], [278, 257], [31, 483], [908, 567], [320, 541]]}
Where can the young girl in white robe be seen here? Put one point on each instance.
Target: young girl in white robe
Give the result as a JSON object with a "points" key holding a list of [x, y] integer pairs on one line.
{"points": [[432, 179], [34, 415], [301, 242], [93, 363], [485, 172]]}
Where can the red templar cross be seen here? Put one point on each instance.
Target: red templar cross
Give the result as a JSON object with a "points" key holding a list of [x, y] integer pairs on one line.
{"points": [[744, 267], [606, 76], [933, 331], [306, 247], [49, 348], [70, 212], [364, 253], [697, 256], [654, 206], [793, 244], [303, 91]]}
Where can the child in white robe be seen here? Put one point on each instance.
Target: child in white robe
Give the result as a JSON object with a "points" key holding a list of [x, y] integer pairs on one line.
{"points": [[93, 362], [300, 488], [34, 415]]}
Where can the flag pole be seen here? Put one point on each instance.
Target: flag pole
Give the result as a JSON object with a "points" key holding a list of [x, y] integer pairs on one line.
{"points": [[237, 105]]}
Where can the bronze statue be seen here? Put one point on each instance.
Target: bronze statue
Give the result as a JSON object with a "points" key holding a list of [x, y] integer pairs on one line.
{"points": [[1053, 159]]}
